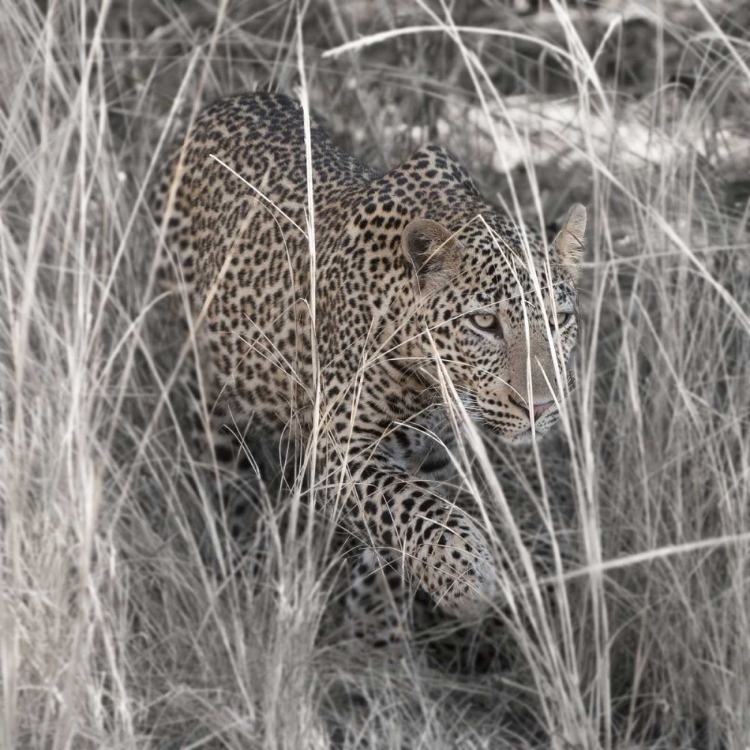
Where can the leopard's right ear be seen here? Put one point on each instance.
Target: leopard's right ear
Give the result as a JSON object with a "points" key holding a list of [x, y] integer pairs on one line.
{"points": [[428, 247], [568, 245]]}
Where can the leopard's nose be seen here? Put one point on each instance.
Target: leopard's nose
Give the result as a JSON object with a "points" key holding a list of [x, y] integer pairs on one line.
{"points": [[539, 407]]}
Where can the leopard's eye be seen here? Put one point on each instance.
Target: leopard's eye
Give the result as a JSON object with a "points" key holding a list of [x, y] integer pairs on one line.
{"points": [[562, 319], [486, 322]]}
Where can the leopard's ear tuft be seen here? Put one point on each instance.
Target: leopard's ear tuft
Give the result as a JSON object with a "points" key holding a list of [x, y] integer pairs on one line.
{"points": [[428, 246], [568, 245]]}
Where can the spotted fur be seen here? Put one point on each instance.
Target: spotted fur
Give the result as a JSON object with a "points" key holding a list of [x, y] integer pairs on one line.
{"points": [[422, 291]]}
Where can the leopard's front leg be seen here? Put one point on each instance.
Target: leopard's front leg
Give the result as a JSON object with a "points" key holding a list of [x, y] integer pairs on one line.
{"points": [[437, 544]]}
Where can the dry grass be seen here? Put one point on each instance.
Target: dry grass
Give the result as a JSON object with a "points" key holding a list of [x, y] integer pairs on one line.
{"points": [[115, 630]]}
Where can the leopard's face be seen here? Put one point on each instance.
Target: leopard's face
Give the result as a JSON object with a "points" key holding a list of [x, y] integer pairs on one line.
{"points": [[502, 332], [507, 350]]}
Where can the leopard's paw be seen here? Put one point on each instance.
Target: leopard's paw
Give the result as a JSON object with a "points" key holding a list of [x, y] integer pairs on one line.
{"points": [[454, 565]]}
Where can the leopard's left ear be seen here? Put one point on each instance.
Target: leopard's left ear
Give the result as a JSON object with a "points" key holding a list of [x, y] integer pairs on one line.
{"points": [[428, 246], [568, 245]]}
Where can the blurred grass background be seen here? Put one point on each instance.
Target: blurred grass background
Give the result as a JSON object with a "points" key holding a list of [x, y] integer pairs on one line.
{"points": [[116, 633]]}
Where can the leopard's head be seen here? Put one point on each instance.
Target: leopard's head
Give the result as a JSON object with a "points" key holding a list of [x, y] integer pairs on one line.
{"points": [[497, 316]]}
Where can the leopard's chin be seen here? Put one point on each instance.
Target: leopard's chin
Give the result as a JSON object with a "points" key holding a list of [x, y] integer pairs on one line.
{"points": [[512, 436], [524, 435]]}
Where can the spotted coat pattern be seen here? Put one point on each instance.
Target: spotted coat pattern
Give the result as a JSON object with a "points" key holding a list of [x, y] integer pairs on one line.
{"points": [[423, 296]]}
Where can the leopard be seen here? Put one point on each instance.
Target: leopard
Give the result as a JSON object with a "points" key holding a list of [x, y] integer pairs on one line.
{"points": [[370, 317]]}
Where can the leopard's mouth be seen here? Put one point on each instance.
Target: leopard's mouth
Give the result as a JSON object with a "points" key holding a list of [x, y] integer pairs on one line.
{"points": [[520, 430], [541, 426], [544, 422]]}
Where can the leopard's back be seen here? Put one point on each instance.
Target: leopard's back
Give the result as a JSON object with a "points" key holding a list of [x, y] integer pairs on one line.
{"points": [[237, 234]]}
